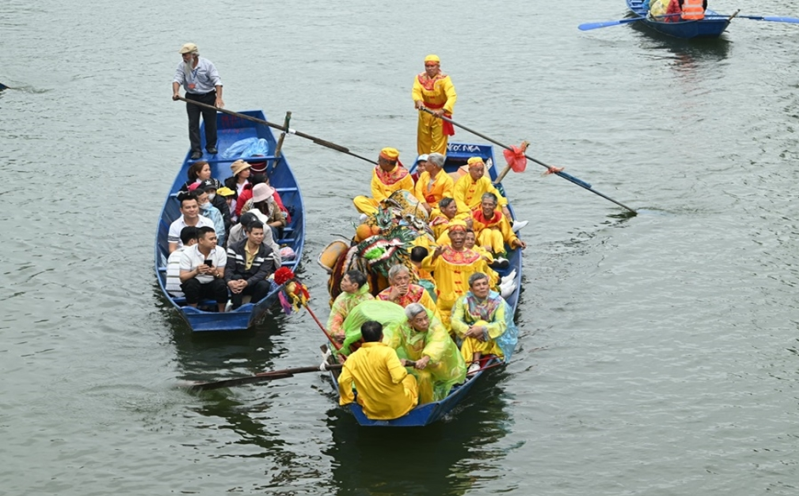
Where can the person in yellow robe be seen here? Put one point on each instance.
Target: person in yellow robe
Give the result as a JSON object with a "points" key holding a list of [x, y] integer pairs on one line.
{"points": [[434, 90], [387, 177], [402, 292], [422, 338], [492, 227], [469, 189], [433, 184], [451, 266], [483, 321], [385, 388], [424, 277], [441, 218]]}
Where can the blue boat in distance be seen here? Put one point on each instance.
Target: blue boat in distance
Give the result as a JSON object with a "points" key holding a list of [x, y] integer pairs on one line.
{"points": [[712, 26], [457, 156], [230, 130]]}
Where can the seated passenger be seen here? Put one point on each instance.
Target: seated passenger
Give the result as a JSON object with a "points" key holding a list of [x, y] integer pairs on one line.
{"points": [[469, 189], [249, 264], [440, 219], [424, 277], [692, 10], [451, 267], [387, 177], [188, 236], [483, 320], [433, 184], [354, 289], [492, 227], [402, 292], [202, 269], [421, 165], [198, 172], [239, 233], [422, 338], [211, 212], [237, 182], [385, 389], [218, 200], [265, 208], [190, 216], [246, 196]]}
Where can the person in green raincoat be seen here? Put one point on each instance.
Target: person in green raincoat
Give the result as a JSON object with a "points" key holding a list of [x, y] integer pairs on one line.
{"points": [[421, 337], [355, 290]]}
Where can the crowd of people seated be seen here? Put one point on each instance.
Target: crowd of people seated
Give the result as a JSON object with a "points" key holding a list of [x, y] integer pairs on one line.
{"points": [[246, 217], [444, 314]]}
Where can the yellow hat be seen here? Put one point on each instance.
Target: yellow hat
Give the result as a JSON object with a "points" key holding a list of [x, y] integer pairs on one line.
{"points": [[432, 58], [456, 225], [391, 154], [225, 191], [188, 48], [475, 161]]}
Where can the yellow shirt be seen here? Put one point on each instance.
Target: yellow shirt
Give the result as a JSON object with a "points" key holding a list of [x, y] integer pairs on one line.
{"points": [[436, 92], [468, 193], [249, 257], [451, 270], [385, 183], [378, 376], [433, 193], [498, 222], [439, 223]]}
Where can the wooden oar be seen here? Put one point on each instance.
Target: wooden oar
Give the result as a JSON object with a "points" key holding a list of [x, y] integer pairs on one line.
{"points": [[319, 323], [280, 140], [606, 24], [263, 376], [791, 20], [288, 130], [568, 177]]}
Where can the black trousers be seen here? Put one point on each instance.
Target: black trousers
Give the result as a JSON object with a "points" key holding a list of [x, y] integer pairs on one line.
{"points": [[209, 117], [214, 290], [258, 292]]}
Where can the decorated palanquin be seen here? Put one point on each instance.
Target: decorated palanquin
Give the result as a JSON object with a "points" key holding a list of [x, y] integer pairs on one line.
{"points": [[384, 239]]}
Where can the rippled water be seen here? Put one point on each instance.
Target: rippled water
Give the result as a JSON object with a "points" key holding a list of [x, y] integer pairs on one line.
{"points": [[658, 353]]}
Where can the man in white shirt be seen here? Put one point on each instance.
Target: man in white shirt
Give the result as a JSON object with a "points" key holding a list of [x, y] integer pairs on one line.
{"points": [[188, 236], [202, 270], [190, 216], [202, 83]]}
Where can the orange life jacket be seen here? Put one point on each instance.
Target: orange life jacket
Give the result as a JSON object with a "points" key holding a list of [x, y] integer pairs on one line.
{"points": [[692, 10]]}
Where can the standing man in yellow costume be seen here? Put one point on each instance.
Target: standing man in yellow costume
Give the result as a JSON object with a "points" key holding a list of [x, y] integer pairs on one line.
{"points": [[434, 90], [387, 177]]}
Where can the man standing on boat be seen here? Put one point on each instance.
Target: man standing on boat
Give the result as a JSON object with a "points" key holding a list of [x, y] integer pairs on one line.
{"points": [[202, 83], [434, 90], [385, 389]]}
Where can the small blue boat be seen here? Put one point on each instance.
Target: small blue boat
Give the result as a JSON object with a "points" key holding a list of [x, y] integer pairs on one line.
{"points": [[712, 26], [457, 155], [230, 130]]}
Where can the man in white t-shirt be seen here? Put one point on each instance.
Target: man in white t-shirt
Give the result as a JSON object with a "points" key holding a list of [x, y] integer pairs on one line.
{"points": [[188, 236], [202, 270], [190, 210]]}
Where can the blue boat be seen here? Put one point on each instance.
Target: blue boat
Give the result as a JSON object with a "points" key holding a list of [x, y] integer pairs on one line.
{"points": [[231, 129], [457, 155], [712, 26]]}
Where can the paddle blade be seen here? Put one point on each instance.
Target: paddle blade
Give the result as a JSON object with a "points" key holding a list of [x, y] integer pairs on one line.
{"points": [[3, 87], [792, 20], [606, 24]]}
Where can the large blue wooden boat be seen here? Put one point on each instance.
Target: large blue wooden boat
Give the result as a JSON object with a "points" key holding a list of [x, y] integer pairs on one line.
{"points": [[712, 26], [457, 156], [230, 130]]}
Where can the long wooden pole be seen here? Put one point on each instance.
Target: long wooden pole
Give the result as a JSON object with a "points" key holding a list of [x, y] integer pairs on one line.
{"points": [[286, 129], [263, 376]]}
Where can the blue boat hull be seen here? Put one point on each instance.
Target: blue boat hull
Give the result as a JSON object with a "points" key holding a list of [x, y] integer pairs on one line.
{"points": [[457, 155], [711, 27], [281, 177]]}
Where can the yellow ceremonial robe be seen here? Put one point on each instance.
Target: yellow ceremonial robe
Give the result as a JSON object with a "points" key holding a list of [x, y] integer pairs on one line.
{"points": [[493, 233], [468, 193], [436, 93], [383, 184], [431, 194], [385, 389], [451, 271]]}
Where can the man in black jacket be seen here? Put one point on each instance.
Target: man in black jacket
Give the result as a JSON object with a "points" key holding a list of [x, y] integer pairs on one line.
{"points": [[249, 264]]}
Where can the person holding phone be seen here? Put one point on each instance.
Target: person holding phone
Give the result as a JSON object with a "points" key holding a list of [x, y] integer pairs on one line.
{"points": [[202, 270]]}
